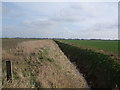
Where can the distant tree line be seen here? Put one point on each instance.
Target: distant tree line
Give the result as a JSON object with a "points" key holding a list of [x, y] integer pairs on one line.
{"points": [[56, 38]]}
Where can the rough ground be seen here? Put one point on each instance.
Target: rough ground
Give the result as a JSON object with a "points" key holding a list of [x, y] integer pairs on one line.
{"points": [[41, 63]]}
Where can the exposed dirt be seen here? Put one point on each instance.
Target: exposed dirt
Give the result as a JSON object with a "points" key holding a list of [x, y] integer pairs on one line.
{"points": [[44, 61]]}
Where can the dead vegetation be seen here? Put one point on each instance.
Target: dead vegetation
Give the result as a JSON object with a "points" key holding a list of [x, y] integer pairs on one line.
{"points": [[40, 64]]}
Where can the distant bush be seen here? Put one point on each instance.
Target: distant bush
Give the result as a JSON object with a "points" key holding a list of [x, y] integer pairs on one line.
{"points": [[100, 70]]}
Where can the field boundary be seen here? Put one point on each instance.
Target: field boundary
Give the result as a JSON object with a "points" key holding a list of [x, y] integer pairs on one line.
{"points": [[100, 70]]}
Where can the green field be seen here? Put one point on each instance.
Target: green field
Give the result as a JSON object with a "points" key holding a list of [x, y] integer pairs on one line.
{"points": [[105, 45]]}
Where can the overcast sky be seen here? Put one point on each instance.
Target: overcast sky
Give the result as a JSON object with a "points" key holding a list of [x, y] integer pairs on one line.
{"points": [[96, 20]]}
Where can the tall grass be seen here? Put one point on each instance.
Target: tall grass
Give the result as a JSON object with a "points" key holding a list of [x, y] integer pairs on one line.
{"points": [[100, 70]]}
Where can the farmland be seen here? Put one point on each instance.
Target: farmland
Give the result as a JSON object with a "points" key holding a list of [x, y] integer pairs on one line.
{"points": [[106, 46], [53, 63], [11, 43]]}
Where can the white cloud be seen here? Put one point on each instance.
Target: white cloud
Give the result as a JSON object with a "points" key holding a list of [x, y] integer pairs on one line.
{"points": [[39, 23], [69, 20]]}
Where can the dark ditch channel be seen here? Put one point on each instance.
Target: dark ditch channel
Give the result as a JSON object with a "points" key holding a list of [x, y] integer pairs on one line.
{"points": [[100, 70]]}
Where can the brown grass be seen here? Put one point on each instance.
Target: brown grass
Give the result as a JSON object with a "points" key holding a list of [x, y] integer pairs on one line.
{"points": [[40, 64]]}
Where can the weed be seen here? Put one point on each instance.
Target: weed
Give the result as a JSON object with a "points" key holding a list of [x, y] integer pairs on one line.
{"points": [[15, 76], [50, 59]]}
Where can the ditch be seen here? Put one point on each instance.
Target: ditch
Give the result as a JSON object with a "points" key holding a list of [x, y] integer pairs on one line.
{"points": [[100, 70]]}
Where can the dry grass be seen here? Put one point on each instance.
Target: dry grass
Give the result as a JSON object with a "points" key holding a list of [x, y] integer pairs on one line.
{"points": [[40, 64]]}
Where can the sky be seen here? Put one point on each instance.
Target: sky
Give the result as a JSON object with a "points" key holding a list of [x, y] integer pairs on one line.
{"points": [[83, 20]]}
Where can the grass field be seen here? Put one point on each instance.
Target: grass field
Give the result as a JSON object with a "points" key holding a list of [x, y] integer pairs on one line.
{"points": [[109, 46]]}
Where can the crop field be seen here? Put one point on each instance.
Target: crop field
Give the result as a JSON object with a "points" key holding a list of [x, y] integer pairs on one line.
{"points": [[106, 46], [11, 43]]}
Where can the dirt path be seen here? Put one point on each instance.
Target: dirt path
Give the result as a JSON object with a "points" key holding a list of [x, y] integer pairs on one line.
{"points": [[45, 65]]}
